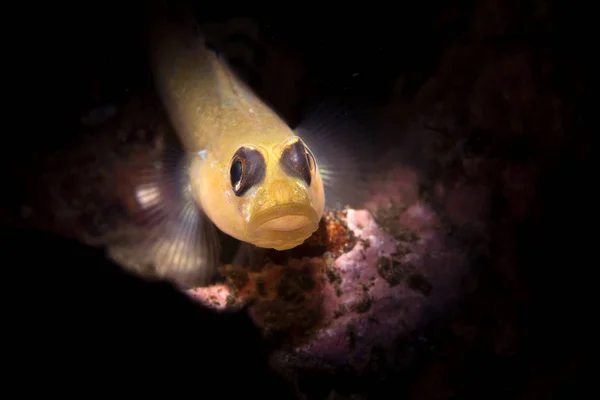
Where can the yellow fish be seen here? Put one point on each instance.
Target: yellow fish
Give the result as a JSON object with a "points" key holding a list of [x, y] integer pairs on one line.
{"points": [[245, 170]]}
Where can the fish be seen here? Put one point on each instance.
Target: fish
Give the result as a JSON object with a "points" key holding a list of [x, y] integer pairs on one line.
{"points": [[242, 170]]}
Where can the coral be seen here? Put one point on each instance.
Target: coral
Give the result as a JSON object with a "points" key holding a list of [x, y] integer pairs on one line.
{"points": [[219, 297], [379, 276]]}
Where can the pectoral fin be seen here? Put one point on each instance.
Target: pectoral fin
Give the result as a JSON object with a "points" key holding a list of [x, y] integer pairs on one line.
{"points": [[169, 237], [346, 148]]}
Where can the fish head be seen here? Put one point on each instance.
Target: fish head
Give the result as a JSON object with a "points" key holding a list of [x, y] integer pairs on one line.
{"points": [[270, 195]]}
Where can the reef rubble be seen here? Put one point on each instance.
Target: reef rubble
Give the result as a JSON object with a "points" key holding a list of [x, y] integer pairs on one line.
{"points": [[372, 277]]}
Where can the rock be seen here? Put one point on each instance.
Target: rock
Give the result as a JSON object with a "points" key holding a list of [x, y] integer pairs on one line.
{"points": [[333, 309]]}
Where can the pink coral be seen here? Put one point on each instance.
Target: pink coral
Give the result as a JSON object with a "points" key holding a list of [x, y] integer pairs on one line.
{"points": [[371, 306], [215, 296], [388, 281]]}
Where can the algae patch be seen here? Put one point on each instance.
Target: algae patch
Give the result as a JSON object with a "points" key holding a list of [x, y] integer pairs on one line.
{"points": [[289, 301], [333, 276], [387, 218], [392, 270], [340, 311], [333, 236], [236, 277], [363, 305]]}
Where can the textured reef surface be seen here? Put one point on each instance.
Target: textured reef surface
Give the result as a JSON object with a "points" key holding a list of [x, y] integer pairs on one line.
{"points": [[373, 277]]}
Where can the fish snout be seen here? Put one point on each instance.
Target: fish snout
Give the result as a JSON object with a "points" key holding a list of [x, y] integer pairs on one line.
{"points": [[282, 216], [282, 192]]}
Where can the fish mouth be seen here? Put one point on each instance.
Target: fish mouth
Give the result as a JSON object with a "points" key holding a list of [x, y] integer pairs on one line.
{"points": [[282, 227]]}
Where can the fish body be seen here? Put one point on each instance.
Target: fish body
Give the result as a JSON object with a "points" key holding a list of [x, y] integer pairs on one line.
{"points": [[157, 194], [233, 138], [244, 171]]}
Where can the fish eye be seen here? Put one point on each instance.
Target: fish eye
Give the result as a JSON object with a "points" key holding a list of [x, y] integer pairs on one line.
{"points": [[247, 169], [297, 160], [235, 173]]}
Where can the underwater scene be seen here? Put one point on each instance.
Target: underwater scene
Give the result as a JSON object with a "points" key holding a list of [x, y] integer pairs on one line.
{"points": [[383, 197]]}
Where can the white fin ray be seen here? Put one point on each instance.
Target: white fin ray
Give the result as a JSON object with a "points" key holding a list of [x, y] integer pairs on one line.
{"points": [[170, 237]]}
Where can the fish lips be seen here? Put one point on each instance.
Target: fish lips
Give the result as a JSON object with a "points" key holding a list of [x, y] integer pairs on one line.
{"points": [[283, 226]]}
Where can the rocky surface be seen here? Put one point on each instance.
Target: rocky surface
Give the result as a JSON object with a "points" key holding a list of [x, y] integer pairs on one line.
{"points": [[334, 308]]}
